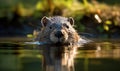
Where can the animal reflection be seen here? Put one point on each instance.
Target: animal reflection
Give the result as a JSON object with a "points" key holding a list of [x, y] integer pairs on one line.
{"points": [[58, 58]]}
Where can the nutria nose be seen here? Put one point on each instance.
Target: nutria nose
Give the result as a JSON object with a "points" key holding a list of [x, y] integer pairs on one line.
{"points": [[58, 34]]}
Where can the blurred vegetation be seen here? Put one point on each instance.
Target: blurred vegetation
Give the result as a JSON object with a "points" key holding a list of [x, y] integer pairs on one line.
{"points": [[91, 17]]}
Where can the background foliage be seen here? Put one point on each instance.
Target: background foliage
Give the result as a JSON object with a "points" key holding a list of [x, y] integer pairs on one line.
{"points": [[93, 18]]}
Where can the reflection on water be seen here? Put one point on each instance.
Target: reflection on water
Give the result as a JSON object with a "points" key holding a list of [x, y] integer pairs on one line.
{"points": [[100, 50], [95, 56]]}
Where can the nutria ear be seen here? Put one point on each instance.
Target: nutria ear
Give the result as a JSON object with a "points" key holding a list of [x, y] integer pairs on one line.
{"points": [[71, 20], [44, 21]]}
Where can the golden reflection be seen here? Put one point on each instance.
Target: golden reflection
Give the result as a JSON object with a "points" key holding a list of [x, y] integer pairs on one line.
{"points": [[100, 50], [58, 58]]}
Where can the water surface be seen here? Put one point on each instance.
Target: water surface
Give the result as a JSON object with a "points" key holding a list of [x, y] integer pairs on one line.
{"points": [[100, 55]]}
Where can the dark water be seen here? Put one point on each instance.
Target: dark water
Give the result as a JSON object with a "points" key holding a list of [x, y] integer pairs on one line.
{"points": [[17, 55]]}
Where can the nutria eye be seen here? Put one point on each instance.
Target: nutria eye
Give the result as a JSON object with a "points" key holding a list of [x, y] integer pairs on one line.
{"points": [[50, 27], [66, 25]]}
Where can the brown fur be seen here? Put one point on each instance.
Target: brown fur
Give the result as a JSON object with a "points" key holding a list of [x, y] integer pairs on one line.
{"points": [[57, 29]]}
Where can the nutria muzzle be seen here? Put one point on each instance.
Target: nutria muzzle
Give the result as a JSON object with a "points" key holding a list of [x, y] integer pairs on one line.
{"points": [[59, 34]]}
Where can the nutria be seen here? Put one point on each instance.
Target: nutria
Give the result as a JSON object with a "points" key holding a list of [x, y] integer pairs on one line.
{"points": [[58, 29]]}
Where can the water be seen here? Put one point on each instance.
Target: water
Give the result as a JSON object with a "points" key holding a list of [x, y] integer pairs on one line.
{"points": [[17, 55], [99, 56]]}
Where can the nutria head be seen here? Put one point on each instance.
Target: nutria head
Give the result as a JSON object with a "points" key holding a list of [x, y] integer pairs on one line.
{"points": [[59, 29]]}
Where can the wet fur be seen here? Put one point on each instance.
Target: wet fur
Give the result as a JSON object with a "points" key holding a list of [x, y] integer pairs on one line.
{"points": [[57, 23]]}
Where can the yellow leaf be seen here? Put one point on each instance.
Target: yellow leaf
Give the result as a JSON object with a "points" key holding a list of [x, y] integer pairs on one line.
{"points": [[29, 35], [108, 22], [106, 27]]}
